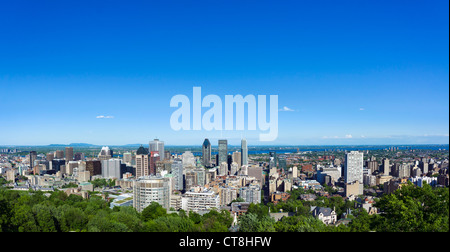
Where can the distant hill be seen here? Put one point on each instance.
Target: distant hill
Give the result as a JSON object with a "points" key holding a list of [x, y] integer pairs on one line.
{"points": [[73, 145]]}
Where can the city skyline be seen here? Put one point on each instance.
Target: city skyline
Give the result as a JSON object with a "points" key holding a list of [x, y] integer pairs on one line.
{"points": [[352, 73]]}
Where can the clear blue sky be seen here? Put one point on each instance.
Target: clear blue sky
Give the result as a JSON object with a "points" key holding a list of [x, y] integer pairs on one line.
{"points": [[353, 72]]}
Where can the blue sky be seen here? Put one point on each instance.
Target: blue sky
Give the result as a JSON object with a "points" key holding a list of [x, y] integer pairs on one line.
{"points": [[353, 72]]}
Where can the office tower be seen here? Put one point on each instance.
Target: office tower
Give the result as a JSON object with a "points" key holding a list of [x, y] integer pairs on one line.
{"points": [[188, 159], [386, 166], [273, 155], [50, 157], [237, 158], [59, 154], [372, 166], [32, 156], [69, 154], [57, 164], [150, 189], [244, 152], [79, 156], [94, 167], [142, 162], [154, 157], [177, 172], [353, 167], [206, 153], [105, 153], [127, 158], [158, 146], [71, 166], [111, 168], [223, 152]]}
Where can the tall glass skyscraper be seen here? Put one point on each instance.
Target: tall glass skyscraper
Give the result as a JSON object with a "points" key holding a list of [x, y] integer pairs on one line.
{"points": [[177, 172], [244, 152], [223, 151], [206, 151], [158, 146]]}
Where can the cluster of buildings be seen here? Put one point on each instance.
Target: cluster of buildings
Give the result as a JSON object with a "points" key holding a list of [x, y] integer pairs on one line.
{"points": [[226, 180], [178, 181]]}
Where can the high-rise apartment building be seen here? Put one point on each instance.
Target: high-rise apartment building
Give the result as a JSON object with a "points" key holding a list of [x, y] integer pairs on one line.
{"points": [[244, 152], [158, 146], [223, 152], [386, 166], [353, 169], [206, 153], [251, 194], [201, 201], [148, 189]]}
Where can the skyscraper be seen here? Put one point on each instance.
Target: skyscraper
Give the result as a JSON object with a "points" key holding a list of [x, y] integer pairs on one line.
{"points": [[386, 166], [206, 153], [32, 156], [142, 162], [69, 154], [154, 157], [158, 146], [105, 153], [244, 152], [111, 168], [223, 152], [353, 169], [237, 157], [177, 172]]}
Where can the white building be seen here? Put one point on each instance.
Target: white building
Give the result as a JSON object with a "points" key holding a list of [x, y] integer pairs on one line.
{"points": [[326, 215], [148, 189], [353, 169], [203, 201], [111, 168]]}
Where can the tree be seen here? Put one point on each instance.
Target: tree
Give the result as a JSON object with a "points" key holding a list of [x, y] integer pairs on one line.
{"points": [[414, 209], [250, 222], [153, 211]]}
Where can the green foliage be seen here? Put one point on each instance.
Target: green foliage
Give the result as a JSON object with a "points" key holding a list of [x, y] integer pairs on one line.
{"points": [[414, 209], [300, 224], [251, 223], [409, 209]]}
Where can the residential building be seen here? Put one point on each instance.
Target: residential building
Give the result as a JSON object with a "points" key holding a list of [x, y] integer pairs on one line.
{"points": [[148, 189]]}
